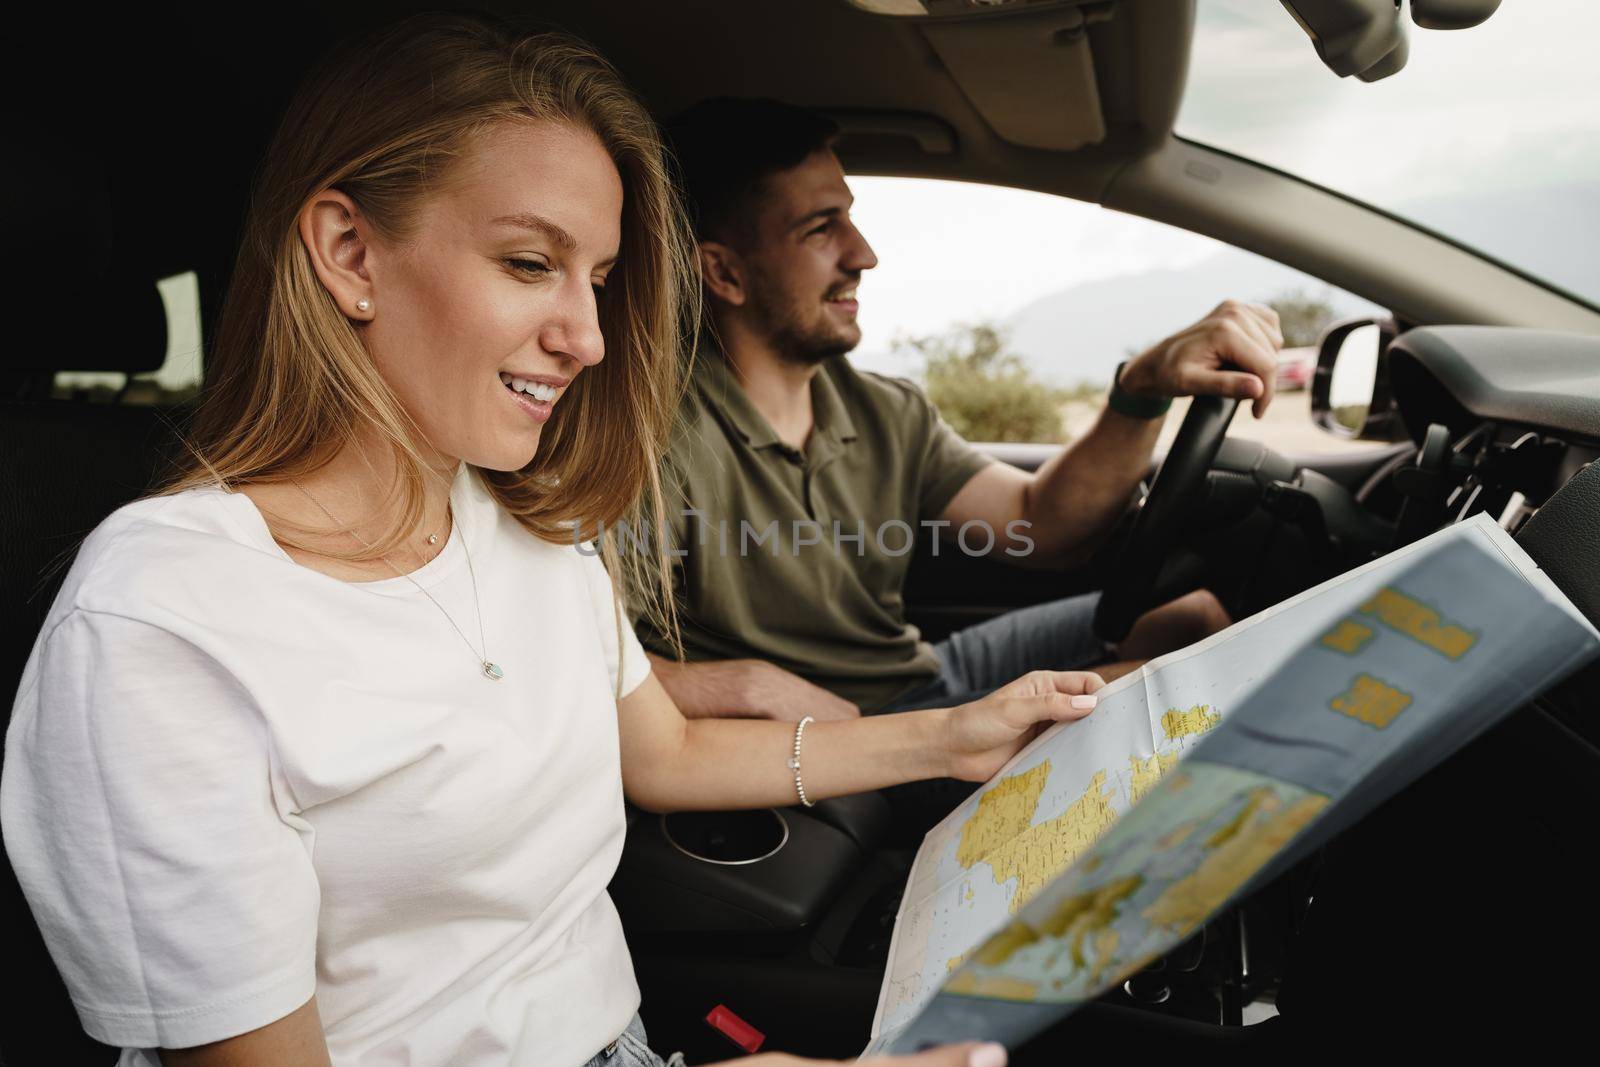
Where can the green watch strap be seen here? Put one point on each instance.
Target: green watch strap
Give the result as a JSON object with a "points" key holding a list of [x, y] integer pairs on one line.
{"points": [[1136, 407]]}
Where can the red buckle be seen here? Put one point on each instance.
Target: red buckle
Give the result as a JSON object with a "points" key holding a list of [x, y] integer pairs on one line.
{"points": [[735, 1029]]}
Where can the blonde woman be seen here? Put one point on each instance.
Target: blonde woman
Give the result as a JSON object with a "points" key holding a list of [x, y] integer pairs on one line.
{"points": [[320, 757]]}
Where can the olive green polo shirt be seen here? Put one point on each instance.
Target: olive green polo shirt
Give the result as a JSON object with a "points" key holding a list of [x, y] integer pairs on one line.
{"points": [[800, 557]]}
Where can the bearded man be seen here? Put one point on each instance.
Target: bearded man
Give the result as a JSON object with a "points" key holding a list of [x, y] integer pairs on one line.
{"points": [[790, 464]]}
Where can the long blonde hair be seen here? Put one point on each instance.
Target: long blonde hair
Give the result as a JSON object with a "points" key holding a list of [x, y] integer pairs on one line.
{"points": [[384, 120]]}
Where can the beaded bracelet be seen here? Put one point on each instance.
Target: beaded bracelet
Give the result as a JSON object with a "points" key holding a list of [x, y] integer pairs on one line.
{"points": [[794, 761]]}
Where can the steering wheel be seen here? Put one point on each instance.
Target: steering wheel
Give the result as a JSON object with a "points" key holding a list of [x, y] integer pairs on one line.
{"points": [[1157, 526]]}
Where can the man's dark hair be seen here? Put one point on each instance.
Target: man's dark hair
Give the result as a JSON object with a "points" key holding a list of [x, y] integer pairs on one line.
{"points": [[725, 147]]}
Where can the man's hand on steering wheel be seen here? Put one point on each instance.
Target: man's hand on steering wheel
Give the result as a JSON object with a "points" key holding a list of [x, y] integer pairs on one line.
{"points": [[1228, 356], [1232, 352]]}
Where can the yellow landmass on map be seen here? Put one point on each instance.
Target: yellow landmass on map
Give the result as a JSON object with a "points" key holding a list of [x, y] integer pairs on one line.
{"points": [[1081, 921], [1145, 773], [1015, 935], [998, 987], [1105, 951], [1348, 637], [1237, 851], [1089, 915], [1419, 622], [1003, 812], [1372, 701], [1178, 724], [1000, 833]]}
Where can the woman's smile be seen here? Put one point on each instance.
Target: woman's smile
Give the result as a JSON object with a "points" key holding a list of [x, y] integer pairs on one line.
{"points": [[535, 395]]}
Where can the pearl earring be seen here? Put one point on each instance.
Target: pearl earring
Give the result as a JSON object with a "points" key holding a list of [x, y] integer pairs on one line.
{"points": [[363, 305]]}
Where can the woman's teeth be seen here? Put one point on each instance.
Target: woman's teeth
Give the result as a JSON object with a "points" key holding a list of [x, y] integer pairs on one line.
{"points": [[537, 390]]}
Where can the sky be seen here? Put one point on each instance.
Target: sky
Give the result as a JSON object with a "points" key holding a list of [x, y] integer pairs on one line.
{"points": [[1508, 109], [1514, 102]]}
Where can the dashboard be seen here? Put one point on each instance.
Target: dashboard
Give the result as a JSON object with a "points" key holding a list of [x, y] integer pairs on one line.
{"points": [[1502, 417]]}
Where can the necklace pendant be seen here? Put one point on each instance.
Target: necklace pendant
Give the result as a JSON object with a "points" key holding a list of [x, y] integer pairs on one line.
{"points": [[493, 670]]}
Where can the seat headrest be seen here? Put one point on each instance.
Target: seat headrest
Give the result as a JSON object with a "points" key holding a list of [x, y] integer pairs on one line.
{"points": [[115, 321], [85, 301]]}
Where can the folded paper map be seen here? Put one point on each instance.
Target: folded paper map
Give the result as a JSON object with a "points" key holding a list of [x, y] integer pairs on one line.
{"points": [[1109, 841]]}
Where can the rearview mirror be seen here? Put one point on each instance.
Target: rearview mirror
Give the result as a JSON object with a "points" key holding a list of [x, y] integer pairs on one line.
{"points": [[1367, 38], [1350, 390]]}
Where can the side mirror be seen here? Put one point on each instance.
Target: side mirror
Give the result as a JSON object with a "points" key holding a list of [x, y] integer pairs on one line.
{"points": [[1350, 391]]}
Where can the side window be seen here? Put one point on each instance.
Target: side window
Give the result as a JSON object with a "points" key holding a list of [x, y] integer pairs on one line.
{"points": [[1014, 308], [177, 379]]}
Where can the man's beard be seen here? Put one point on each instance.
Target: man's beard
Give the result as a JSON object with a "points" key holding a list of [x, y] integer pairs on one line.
{"points": [[794, 337]]}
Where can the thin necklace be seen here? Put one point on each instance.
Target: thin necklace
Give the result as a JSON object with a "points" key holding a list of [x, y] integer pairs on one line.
{"points": [[490, 669]]}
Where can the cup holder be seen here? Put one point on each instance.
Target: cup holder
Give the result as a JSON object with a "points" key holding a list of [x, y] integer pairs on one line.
{"points": [[729, 838]]}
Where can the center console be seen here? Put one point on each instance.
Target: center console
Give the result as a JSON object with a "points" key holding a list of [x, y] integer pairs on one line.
{"points": [[782, 915], [769, 870]]}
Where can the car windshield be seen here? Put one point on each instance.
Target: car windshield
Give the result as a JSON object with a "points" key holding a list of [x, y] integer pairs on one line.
{"points": [[1489, 136]]}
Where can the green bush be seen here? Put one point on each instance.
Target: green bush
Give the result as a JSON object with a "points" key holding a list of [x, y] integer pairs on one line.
{"points": [[1301, 317], [1352, 416], [983, 390]]}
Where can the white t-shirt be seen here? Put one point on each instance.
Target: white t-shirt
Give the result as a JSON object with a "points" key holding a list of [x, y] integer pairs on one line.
{"points": [[232, 781]]}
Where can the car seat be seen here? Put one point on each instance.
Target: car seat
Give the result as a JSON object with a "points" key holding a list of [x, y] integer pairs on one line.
{"points": [[64, 466]]}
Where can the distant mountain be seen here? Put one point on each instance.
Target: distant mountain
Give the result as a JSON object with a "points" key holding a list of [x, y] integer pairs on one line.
{"points": [[1080, 334], [1083, 332]]}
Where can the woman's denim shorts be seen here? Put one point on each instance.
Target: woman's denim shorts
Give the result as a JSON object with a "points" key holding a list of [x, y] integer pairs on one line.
{"points": [[632, 1049]]}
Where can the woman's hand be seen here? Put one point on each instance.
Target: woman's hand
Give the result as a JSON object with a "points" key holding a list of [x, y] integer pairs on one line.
{"points": [[983, 735], [967, 1054]]}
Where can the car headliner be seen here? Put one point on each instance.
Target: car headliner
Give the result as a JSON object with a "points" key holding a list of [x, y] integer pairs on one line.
{"points": [[1077, 99]]}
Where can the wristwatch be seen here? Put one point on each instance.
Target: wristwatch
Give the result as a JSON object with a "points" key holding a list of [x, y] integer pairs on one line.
{"points": [[1137, 407]]}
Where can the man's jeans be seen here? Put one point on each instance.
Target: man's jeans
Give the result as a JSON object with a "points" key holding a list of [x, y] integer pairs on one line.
{"points": [[976, 661]]}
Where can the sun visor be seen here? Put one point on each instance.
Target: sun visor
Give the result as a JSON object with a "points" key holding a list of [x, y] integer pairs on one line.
{"points": [[1030, 75]]}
